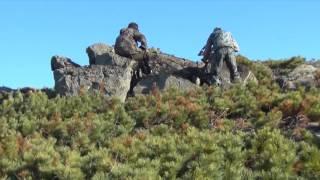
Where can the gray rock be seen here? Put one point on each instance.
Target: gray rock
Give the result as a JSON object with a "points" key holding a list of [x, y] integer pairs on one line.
{"points": [[112, 74], [58, 62], [4, 89], [163, 82], [168, 64], [303, 75], [194, 71], [102, 54], [111, 80], [162, 63], [245, 73], [314, 62], [303, 71]]}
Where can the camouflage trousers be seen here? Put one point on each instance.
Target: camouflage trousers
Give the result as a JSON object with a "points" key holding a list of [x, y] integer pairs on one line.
{"points": [[141, 68], [216, 63], [142, 57], [139, 55]]}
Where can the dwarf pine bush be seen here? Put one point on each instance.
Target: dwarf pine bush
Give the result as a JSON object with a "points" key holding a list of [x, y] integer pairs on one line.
{"points": [[252, 132]]}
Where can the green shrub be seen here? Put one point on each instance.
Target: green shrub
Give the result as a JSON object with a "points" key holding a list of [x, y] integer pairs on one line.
{"points": [[172, 108], [209, 133], [272, 153], [283, 67]]}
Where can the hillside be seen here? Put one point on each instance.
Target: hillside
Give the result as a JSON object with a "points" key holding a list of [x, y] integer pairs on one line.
{"points": [[257, 131], [101, 122]]}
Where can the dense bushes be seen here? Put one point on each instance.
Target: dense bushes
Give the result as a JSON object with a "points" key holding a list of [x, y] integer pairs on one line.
{"points": [[210, 132], [252, 132], [283, 67]]}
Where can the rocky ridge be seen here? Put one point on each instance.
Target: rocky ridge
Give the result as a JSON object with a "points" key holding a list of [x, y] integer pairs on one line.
{"points": [[111, 74]]}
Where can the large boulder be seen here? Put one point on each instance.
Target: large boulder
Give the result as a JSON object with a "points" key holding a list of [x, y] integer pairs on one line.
{"points": [[245, 73], [315, 63], [303, 71], [188, 78], [193, 71], [58, 62], [168, 64], [304, 75], [112, 74], [163, 82], [162, 63], [111, 80], [102, 54]]}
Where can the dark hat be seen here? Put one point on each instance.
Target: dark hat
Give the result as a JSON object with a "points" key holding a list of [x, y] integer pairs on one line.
{"points": [[217, 29], [133, 25]]}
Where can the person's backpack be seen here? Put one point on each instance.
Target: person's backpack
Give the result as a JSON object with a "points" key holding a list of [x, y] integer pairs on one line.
{"points": [[225, 39]]}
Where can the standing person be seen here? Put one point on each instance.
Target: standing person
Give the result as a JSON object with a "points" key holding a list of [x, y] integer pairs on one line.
{"points": [[220, 47]]}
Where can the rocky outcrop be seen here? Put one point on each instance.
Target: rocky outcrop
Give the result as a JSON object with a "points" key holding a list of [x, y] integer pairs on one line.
{"points": [[169, 64], [113, 75], [164, 65], [163, 82], [188, 78], [304, 75], [315, 63], [58, 62], [102, 54], [4, 89], [245, 73], [111, 80]]}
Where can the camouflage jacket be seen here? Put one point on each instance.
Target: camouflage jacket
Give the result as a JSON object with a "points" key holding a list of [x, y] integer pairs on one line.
{"points": [[219, 39], [127, 42]]}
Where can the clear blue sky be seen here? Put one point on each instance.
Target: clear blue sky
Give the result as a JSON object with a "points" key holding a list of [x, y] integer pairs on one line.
{"points": [[32, 31]]}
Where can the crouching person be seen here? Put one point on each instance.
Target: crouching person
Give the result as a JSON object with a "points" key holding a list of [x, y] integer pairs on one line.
{"points": [[127, 45]]}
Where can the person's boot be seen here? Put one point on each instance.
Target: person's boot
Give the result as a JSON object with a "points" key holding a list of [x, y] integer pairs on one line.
{"points": [[145, 68], [213, 80], [145, 65], [217, 81], [236, 79]]}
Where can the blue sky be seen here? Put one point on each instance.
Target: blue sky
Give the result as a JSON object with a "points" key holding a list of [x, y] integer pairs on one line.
{"points": [[33, 31]]}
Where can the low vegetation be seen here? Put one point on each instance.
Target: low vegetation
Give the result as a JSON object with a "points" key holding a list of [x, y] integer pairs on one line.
{"points": [[252, 132]]}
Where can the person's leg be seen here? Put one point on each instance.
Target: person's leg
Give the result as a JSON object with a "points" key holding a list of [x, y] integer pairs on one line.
{"points": [[216, 65], [138, 56], [232, 65], [219, 57], [142, 58]]}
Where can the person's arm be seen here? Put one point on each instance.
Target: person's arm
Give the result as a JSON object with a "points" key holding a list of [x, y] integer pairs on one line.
{"points": [[122, 31], [141, 38], [235, 45], [207, 48]]}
